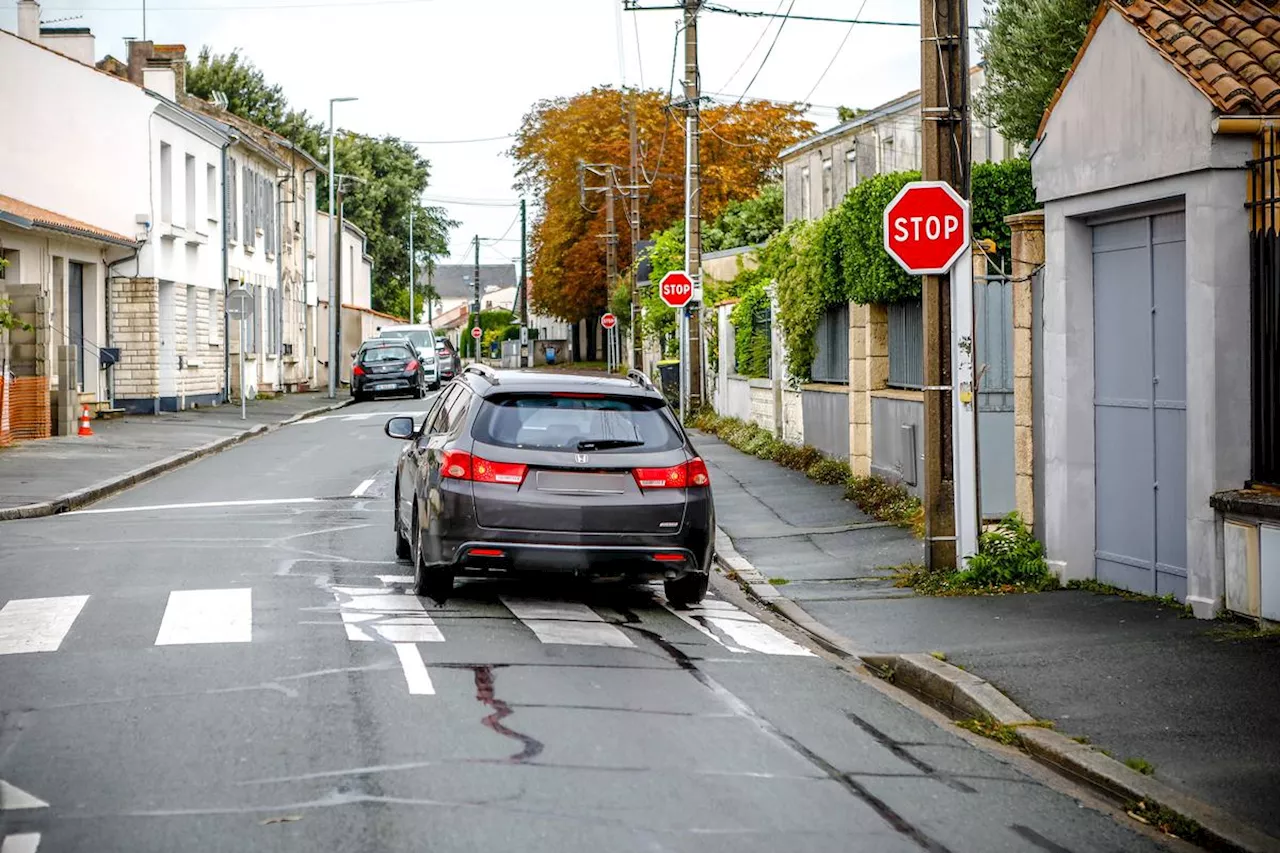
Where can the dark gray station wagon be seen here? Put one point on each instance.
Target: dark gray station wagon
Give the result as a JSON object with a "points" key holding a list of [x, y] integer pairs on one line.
{"points": [[524, 472]]}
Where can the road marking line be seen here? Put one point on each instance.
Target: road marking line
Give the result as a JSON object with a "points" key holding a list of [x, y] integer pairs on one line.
{"points": [[26, 842], [744, 629], [13, 798], [566, 623], [37, 624], [207, 616], [415, 670], [393, 616], [390, 579], [198, 505], [362, 488]]}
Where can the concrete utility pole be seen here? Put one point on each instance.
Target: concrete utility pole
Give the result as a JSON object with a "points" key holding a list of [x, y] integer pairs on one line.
{"points": [[336, 361], [524, 287], [691, 319], [633, 191], [944, 109], [412, 319], [333, 262], [475, 343], [610, 237]]}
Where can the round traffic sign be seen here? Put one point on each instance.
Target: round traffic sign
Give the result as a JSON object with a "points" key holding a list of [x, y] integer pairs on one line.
{"points": [[609, 321], [475, 332], [239, 304], [926, 227], [676, 288]]}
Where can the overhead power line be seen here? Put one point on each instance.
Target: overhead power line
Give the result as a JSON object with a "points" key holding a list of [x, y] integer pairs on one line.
{"points": [[472, 202], [751, 13], [459, 141], [238, 7], [839, 50]]}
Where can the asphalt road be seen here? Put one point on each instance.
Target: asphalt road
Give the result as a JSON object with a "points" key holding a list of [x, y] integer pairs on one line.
{"points": [[226, 659]]}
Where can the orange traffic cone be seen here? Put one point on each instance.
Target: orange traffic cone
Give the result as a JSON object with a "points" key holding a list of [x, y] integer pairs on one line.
{"points": [[84, 423]]}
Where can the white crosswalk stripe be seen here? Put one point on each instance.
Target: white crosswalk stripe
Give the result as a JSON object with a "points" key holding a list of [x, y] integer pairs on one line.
{"points": [[745, 630], [197, 616], [566, 622], [37, 624], [23, 842], [372, 612], [356, 417]]}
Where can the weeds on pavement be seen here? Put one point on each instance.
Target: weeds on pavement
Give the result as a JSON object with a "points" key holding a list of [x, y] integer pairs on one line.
{"points": [[879, 499], [999, 732], [1009, 560], [1141, 765], [1166, 820], [1100, 588]]}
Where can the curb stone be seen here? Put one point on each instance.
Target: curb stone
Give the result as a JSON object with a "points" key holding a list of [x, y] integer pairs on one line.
{"points": [[91, 494], [976, 698]]}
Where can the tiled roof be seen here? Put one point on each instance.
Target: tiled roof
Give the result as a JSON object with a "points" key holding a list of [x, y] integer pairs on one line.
{"points": [[1228, 49], [32, 216]]}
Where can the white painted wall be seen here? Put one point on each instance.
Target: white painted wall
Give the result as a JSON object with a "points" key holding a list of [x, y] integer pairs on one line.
{"points": [[357, 270], [1154, 148]]}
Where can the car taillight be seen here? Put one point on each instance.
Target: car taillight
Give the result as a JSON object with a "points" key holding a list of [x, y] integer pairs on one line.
{"points": [[698, 475], [358, 370], [690, 475], [411, 366], [460, 465], [510, 473], [456, 465]]}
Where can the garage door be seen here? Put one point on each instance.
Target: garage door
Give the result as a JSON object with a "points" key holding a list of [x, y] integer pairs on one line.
{"points": [[1140, 409]]}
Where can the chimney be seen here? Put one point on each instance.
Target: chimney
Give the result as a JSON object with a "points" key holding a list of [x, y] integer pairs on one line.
{"points": [[29, 20], [161, 80], [162, 68]]}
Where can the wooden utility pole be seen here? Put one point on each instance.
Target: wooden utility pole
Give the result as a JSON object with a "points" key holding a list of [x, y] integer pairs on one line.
{"points": [[944, 110], [633, 190], [692, 367], [610, 236]]}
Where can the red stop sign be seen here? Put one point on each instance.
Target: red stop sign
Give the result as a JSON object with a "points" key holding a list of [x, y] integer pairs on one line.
{"points": [[475, 332], [676, 288], [609, 321], [926, 227]]}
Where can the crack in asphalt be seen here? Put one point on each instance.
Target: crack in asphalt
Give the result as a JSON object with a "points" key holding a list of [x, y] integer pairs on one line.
{"points": [[899, 752]]}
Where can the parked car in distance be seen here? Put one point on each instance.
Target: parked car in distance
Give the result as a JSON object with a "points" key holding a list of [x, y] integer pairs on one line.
{"points": [[423, 339], [447, 359], [534, 473], [387, 366]]}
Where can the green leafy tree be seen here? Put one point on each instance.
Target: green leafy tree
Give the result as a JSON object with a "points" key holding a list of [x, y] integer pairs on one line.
{"points": [[746, 223], [1000, 190], [251, 97], [844, 114], [1028, 46]]}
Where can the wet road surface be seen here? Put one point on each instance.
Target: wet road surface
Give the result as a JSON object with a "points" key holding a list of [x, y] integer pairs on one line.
{"points": [[228, 658]]}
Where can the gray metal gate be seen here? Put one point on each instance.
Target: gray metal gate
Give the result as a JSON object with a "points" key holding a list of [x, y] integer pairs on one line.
{"points": [[1140, 455], [993, 312]]}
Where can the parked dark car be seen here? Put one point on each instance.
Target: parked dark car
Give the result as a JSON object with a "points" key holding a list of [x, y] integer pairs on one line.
{"points": [[447, 358], [387, 367], [515, 472]]}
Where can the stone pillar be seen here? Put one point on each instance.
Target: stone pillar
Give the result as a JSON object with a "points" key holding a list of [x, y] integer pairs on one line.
{"points": [[1028, 256], [859, 396], [67, 397]]}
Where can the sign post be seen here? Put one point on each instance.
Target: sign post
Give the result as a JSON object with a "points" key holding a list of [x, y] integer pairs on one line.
{"points": [[676, 289], [927, 231], [240, 307], [610, 323], [475, 344]]}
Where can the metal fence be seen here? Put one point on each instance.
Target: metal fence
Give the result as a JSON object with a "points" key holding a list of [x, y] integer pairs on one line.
{"points": [[906, 345], [831, 360], [993, 311], [1264, 307]]}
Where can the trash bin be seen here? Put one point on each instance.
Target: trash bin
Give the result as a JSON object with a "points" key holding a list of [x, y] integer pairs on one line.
{"points": [[669, 378], [551, 355]]}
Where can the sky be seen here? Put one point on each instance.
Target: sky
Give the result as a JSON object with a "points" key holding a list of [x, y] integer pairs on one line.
{"points": [[437, 71]]}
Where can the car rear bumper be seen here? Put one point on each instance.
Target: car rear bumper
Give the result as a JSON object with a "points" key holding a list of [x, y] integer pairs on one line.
{"points": [[375, 384], [503, 557]]}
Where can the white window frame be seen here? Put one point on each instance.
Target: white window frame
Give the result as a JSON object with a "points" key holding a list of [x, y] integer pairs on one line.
{"points": [[806, 193], [166, 183], [851, 167]]}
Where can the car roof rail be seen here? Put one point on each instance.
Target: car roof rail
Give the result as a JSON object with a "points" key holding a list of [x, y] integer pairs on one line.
{"points": [[638, 377], [483, 370]]}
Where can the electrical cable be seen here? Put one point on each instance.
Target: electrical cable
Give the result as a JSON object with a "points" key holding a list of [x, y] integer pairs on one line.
{"points": [[458, 141], [749, 53], [839, 50]]}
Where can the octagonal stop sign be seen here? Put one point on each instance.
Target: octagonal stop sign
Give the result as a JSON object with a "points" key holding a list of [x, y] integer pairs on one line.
{"points": [[676, 288], [926, 227]]}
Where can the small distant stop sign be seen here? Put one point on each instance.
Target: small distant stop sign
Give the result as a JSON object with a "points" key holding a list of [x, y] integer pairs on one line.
{"points": [[609, 321], [676, 288], [926, 227], [475, 332]]}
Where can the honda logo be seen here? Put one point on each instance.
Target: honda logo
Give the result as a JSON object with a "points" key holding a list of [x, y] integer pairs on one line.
{"points": [[580, 458]]}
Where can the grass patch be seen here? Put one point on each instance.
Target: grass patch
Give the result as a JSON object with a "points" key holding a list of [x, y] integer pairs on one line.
{"points": [[1009, 560], [1167, 821], [1141, 765], [1100, 588], [885, 501], [1235, 627], [1007, 735], [1084, 739], [779, 581], [938, 656]]}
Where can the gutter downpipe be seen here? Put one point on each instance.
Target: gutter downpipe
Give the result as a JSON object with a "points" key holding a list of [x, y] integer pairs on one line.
{"points": [[308, 349], [279, 241], [1245, 125], [111, 381], [226, 278]]}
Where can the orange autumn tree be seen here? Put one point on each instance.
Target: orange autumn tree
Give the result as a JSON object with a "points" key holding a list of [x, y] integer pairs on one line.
{"points": [[740, 145]]}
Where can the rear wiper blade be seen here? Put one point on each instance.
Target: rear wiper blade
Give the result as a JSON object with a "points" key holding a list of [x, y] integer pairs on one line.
{"points": [[607, 443]]}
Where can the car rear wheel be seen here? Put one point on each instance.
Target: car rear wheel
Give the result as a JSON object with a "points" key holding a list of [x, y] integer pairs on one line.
{"points": [[434, 582], [690, 589]]}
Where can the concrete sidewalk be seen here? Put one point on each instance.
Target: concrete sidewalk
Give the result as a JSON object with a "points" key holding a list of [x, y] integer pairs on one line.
{"points": [[1200, 701], [43, 477]]}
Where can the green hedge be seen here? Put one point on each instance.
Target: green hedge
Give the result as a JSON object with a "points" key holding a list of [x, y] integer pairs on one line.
{"points": [[492, 323]]}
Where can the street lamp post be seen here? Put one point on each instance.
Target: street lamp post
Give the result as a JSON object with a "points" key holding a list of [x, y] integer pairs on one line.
{"points": [[333, 265], [411, 265]]}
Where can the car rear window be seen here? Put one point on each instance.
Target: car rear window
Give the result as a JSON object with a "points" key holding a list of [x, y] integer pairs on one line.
{"points": [[421, 339], [393, 352], [573, 422]]}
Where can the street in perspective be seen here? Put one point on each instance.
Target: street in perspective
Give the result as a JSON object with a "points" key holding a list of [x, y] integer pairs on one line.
{"points": [[817, 426]]}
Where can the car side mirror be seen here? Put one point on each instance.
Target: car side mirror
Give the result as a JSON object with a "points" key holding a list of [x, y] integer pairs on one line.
{"points": [[400, 427], [353, 354]]}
